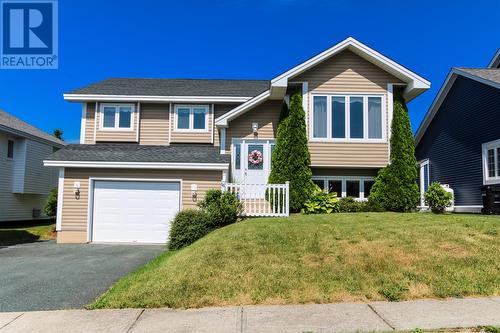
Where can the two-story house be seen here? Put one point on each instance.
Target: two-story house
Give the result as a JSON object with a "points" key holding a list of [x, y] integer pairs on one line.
{"points": [[150, 147], [24, 181]]}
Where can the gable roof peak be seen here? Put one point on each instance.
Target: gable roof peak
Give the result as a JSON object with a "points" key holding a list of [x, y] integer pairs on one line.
{"points": [[416, 83]]}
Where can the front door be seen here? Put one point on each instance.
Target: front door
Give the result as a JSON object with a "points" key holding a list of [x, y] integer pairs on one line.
{"points": [[252, 161]]}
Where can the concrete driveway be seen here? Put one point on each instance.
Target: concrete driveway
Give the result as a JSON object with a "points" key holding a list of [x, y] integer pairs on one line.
{"points": [[47, 276]]}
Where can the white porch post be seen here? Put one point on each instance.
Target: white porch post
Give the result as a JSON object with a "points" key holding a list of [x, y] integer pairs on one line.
{"points": [[60, 190], [223, 140]]}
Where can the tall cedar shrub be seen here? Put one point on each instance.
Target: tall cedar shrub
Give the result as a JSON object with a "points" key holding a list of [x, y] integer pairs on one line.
{"points": [[291, 157], [396, 188]]}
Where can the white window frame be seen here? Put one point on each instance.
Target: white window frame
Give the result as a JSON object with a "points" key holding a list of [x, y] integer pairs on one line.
{"points": [[487, 180], [344, 179], [117, 117], [191, 108], [421, 165], [347, 97]]}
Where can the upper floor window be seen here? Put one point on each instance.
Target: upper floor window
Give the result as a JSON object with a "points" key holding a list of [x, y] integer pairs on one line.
{"points": [[348, 117], [10, 148], [491, 162], [117, 116], [193, 118]]}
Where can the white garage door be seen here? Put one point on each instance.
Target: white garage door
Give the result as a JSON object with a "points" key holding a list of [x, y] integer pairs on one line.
{"points": [[134, 211]]}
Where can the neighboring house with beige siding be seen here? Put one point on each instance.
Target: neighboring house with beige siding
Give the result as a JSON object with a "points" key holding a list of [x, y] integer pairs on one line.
{"points": [[150, 147], [24, 181]]}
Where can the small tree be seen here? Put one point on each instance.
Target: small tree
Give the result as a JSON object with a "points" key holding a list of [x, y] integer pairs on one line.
{"points": [[50, 207], [223, 208], [396, 186], [437, 198], [58, 133], [291, 159]]}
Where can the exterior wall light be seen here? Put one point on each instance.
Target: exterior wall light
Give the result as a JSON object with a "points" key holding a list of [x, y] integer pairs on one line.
{"points": [[194, 191], [76, 190], [255, 127]]}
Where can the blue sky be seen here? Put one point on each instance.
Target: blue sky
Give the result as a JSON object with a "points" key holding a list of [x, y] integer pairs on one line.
{"points": [[244, 40]]}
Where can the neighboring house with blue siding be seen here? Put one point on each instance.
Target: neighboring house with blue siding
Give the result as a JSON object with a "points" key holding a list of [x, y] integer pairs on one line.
{"points": [[458, 142], [24, 181]]}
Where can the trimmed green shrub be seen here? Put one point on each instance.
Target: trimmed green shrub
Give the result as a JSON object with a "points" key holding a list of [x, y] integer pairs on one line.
{"points": [[321, 203], [222, 208], [437, 198], [350, 205], [395, 187], [291, 159], [188, 226], [50, 206]]}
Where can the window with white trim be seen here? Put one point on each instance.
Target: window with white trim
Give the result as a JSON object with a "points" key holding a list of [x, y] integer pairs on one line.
{"points": [[491, 162], [191, 118], [424, 178], [348, 117], [348, 186], [117, 116]]}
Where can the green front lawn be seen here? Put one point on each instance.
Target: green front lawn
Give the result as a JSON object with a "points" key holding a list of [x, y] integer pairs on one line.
{"points": [[322, 259], [26, 233]]}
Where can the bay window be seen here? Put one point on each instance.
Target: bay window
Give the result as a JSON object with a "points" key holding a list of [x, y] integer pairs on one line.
{"points": [[117, 116], [491, 162], [191, 118], [348, 118]]}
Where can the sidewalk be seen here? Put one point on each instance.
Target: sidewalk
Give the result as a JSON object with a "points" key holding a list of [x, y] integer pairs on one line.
{"points": [[342, 317]]}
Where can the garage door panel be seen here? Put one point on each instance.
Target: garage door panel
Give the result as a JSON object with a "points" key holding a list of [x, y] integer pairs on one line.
{"points": [[128, 211]]}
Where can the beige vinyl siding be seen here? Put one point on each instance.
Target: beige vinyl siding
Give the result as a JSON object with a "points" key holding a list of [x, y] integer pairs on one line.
{"points": [[89, 123], [192, 137], [153, 127], [266, 115], [342, 172], [348, 154], [347, 72], [116, 135], [154, 123], [220, 110], [75, 210]]}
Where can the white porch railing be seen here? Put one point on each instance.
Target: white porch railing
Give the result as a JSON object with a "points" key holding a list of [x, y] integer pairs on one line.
{"points": [[262, 199]]}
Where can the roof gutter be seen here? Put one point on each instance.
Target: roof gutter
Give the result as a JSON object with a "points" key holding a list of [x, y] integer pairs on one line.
{"points": [[137, 165], [223, 120], [143, 98], [32, 137]]}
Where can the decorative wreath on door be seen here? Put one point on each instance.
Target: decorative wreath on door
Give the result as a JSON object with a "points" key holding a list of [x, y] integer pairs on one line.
{"points": [[255, 157]]}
